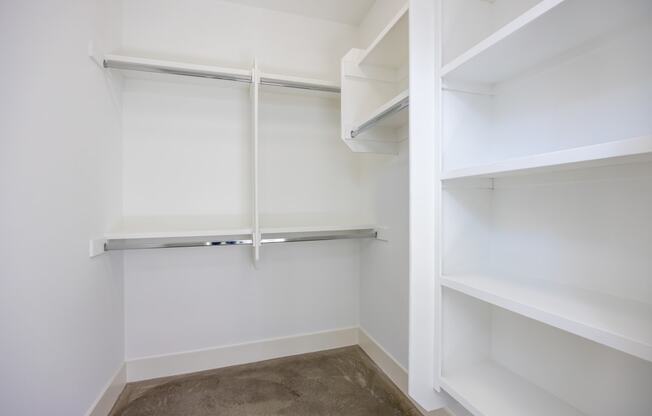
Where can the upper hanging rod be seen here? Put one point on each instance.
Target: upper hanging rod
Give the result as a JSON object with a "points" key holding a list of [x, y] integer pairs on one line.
{"points": [[404, 103], [298, 85], [163, 67], [203, 71]]}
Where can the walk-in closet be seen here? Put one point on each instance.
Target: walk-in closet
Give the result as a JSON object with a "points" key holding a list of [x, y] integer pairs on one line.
{"points": [[343, 207]]}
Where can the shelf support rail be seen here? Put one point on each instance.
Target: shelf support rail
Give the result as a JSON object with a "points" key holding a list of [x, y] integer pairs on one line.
{"points": [[267, 238], [399, 106]]}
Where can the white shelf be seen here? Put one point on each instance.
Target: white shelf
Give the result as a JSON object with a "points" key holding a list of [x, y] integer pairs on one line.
{"points": [[621, 324], [634, 150], [300, 223], [390, 48], [547, 30], [394, 120], [487, 389], [178, 227]]}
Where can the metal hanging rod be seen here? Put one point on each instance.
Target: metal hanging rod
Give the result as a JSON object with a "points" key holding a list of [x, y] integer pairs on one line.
{"points": [[404, 103], [298, 85], [322, 236], [172, 68], [268, 238], [141, 244], [161, 68]]}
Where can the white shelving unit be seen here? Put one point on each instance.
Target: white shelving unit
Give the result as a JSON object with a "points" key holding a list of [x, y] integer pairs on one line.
{"points": [[375, 96], [278, 93], [545, 211]]}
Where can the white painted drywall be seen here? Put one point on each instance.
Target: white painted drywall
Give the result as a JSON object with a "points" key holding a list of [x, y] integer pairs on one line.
{"points": [[384, 283], [61, 313], [189, 299]]}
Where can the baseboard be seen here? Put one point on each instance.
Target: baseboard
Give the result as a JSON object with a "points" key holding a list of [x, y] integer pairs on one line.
{"points": [[110, 394], [392, 369], [192, 361]]}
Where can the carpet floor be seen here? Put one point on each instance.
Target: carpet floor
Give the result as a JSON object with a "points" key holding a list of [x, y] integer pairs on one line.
{"points": [[337, 382]]}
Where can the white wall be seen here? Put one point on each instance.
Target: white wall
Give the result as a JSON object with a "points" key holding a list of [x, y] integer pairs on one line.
{"points": [[189, 299], [61, 313], [384, 288], [184, 300]]}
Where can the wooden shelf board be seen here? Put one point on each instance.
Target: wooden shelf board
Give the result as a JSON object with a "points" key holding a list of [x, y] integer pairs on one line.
{"points": [[390, 48], [487, 389], [178, 227], [633, 150], [547, 30], [624, 325]]}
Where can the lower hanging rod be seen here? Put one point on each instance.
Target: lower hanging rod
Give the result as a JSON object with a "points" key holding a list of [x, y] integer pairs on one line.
{"points": [[268, 238], [401, 105]]}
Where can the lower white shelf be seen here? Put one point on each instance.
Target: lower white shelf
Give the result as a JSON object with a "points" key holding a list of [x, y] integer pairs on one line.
{"points": [[487, 389], [621, 324]]}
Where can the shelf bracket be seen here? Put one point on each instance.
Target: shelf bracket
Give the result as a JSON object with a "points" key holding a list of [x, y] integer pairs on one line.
{"points": [[96, 247]]}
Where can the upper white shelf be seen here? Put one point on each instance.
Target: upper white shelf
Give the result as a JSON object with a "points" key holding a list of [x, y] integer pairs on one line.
{"points": [[633, 150], [621, 324], [130, 63], [390, 48], [487, 389], [538, 35], [178, 227]]}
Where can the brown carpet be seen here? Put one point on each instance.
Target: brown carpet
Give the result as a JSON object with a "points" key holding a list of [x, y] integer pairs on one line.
{"points": [[336, 382]]}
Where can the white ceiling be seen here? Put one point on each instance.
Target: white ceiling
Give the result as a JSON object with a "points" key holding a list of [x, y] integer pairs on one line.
{"points": [[343, 11]]}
